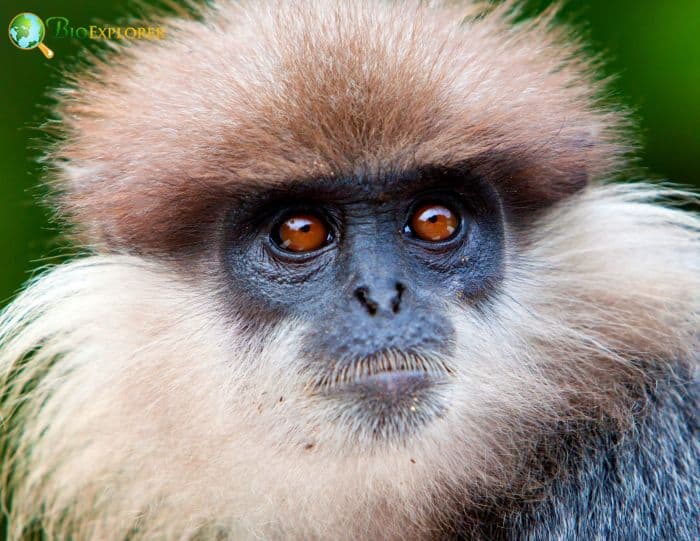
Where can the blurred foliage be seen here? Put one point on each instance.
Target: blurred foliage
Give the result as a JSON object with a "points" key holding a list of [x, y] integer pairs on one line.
{"points": [[652, 47]]}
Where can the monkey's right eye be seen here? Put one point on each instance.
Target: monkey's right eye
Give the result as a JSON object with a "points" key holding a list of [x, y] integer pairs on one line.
{"points": [[301, 233]]}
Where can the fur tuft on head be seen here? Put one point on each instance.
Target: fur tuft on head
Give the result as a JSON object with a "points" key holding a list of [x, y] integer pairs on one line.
{"points": [[293, 91]]}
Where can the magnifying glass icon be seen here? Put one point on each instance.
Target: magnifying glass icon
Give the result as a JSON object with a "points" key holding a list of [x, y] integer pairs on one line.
{"points": [[27, 31]]}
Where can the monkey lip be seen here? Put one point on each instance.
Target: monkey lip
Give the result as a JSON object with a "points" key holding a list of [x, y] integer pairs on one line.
{"points": [[387, 376], [393, 383], [387, 369], [395, 401], [393, 391]]}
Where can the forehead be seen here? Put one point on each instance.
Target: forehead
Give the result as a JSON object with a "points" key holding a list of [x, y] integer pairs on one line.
{"points": [[258, 95]]}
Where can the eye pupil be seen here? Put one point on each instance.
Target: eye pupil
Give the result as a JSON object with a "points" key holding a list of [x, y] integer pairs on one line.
{"points": [[434, 222], [301, 233]]}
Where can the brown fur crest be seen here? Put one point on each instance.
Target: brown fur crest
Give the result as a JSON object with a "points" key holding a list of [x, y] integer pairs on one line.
{"points": [[300, 90]]}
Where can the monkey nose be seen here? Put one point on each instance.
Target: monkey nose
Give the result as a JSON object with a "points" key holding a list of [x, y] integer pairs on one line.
{"points": [[381, 299]]}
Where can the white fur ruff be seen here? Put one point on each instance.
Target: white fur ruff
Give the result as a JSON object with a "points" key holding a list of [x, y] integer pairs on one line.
{"points": [[131, 407]]}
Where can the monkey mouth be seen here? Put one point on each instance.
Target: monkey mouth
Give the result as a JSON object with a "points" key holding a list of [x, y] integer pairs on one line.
{"points": [[388, 370], [386, 396], [393, 383], [389, 374], [393, 393]]}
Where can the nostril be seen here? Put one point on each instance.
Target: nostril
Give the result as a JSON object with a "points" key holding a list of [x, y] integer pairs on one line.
{"points": [[362, 295], [396, 301]]}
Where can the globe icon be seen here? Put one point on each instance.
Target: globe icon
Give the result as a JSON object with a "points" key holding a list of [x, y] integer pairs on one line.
{"points": [[27, 31]]}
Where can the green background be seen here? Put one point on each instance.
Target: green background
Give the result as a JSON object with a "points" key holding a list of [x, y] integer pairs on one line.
{"points": [[653, 47]]}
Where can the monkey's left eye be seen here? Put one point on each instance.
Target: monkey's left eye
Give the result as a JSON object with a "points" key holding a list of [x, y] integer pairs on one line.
{"points": [[301, 233], [433, 222]]}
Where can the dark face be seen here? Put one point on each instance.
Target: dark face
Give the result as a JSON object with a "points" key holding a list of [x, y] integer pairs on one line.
{"points": [[370, 265]]}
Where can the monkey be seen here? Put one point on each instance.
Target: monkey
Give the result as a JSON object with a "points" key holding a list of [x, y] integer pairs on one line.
{"points": [[353, 270]]}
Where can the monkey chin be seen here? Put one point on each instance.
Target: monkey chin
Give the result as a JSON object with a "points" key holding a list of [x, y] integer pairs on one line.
{"points": [[390, 396]]}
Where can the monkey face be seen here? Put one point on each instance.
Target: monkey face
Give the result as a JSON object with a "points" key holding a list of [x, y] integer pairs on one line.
{"points": [[374, 325], [370, 273]]}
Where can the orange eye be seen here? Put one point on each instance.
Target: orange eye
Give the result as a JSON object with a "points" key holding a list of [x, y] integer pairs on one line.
{"points": [[302, 233], [434, 222]]}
